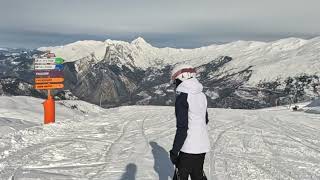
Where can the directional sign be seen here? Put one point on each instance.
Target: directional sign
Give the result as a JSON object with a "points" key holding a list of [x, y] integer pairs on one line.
{"points": [[48, 67], [44, 67], [49, 86], [48, 61], [49, 80], [51, 55], [51, 73], [59, 60], [59, 67]]}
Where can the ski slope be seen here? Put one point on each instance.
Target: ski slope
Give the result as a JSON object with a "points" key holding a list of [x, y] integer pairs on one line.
{"points": [[133, 143]]}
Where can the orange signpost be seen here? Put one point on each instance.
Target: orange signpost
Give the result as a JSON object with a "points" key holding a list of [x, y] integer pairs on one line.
{"points": [[49, 80], [48, 86], [48, 75], [49, 110]]}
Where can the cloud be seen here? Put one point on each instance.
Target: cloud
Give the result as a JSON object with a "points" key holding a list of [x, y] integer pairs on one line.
{"points": [[204, 19]]}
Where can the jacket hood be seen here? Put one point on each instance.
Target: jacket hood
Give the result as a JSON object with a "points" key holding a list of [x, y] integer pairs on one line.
{"points": [[190, 86]]}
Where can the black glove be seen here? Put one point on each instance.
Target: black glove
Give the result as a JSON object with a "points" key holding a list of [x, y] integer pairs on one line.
{"points": [[173, 157]]}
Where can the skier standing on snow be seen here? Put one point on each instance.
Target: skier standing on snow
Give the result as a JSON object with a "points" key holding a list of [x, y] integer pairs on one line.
{"points": [[191, 141]]}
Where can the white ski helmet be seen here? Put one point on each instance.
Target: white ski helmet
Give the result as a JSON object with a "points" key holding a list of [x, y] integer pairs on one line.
{"points": [[183, 72]]}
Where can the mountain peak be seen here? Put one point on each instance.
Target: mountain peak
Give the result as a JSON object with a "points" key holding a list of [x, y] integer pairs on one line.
{"points": [[139, 41]]}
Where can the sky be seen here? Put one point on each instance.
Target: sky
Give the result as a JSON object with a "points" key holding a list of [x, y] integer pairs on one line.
{"points": [[163, 23]]}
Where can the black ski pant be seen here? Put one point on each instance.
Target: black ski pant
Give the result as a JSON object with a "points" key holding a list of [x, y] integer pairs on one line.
{"points": [[190, 165]]}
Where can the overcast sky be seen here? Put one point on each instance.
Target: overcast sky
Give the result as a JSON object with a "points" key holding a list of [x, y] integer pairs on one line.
{"points": [[175, 23]]}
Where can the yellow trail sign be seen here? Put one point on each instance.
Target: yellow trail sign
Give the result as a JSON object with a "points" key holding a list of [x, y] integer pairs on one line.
{"points": [[49, 80]]}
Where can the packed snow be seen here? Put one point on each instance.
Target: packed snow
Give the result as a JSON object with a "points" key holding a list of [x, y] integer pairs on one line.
{"points": [[88, 142], [313, 107], [269, 60]]}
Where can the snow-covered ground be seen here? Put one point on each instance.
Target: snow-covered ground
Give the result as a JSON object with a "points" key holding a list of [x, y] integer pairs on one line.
{"points": [[313, 107], [133, 142]]}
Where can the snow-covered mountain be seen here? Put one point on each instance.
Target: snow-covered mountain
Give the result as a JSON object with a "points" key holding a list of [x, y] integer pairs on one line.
{"points": [[242, 74], [245, 75], [269, 61], [127, 143]]}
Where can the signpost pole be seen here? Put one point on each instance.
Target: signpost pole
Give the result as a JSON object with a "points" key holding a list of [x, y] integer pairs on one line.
{"points": [[49, 109]]}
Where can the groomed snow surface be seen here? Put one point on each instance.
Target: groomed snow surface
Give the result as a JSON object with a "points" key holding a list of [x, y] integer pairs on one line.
{"points": [[133, 142]]}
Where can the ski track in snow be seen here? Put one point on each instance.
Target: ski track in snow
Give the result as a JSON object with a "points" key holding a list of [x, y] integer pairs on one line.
{"points": [[133, 143]]}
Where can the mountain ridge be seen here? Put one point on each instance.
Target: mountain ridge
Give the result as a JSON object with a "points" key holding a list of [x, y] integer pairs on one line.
{"points": [[270, 60], [242, 74]]}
